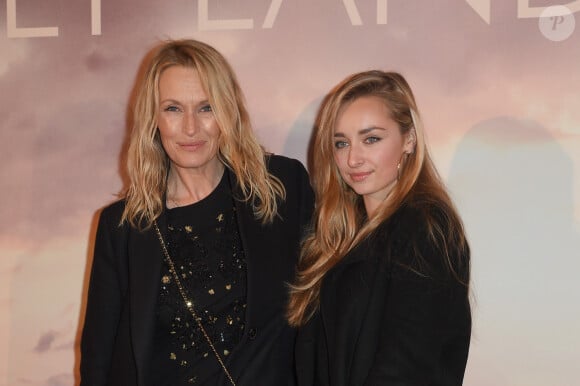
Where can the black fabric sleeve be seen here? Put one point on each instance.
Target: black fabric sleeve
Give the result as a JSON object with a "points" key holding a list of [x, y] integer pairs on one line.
{"points": [[103, 307]]}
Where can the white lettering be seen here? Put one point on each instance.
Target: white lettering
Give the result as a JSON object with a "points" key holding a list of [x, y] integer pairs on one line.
{"points": [[525, 11], [381, 11], [352, 12], [211, 25], [272, 13], [354, 15], [95, 17], [483, 9], [15, 32]]}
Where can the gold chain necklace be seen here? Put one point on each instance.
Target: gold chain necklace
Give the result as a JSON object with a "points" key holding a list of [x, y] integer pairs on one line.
{"points": [[189, 303]]}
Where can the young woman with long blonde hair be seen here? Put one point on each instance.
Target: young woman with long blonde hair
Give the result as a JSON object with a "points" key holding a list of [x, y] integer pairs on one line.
{"points": [[381, 294]]}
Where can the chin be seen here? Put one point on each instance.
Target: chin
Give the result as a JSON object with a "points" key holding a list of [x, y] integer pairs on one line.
{"points": [[360, 192]]}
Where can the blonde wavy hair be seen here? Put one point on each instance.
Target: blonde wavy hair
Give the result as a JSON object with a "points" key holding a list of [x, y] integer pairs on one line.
{"points": [[340, 221], [239, 150]]}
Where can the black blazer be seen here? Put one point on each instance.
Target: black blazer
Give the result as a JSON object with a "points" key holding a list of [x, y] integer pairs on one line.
{"points": [[120, 317], [380, 323]]}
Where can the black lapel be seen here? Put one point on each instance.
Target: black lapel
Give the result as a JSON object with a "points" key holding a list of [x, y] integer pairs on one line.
{"points": [[345, 296], [246, 224]]}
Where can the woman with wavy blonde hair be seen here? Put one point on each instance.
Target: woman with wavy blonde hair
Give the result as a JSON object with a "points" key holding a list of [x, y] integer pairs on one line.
{"points": [[237, 147], [188, 278], [381, 294]]}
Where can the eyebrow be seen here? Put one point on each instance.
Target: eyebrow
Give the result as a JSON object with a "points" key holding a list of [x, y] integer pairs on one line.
{"points": [[362, 131], [171, 100]]}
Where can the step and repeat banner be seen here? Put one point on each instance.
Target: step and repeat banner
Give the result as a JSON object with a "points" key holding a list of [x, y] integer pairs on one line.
{"points": [[497, 82]]}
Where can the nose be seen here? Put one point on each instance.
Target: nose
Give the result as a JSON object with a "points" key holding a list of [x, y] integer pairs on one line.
{"points": [[355, 156], [190, 124]]}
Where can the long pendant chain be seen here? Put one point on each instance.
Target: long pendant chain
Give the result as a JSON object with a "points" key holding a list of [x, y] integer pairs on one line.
{"points": [[189, 303]]}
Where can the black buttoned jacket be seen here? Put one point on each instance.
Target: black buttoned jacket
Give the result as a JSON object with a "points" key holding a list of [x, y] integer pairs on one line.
{"points": [[120, 318]]}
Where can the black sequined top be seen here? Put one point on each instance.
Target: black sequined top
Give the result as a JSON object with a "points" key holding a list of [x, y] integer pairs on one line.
{"points": [[204, 243]]}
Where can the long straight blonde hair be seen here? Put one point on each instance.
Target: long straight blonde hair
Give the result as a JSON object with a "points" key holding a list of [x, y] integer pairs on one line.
{"points": [[340, 221], [239, 150]]}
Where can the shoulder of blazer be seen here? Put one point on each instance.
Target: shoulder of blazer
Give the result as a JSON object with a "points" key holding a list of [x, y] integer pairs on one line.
{"points": [[409, 237], [112, 213], [122, 233], [411, 222], [110, 223], [299, 193], [284, 167]]}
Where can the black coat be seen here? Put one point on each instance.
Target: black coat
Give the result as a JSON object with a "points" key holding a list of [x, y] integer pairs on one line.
{"points": [[124, 286], [381, 323]]}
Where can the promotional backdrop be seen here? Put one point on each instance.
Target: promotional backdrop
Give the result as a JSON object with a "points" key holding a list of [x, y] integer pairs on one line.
{"points": [[497, 83]]}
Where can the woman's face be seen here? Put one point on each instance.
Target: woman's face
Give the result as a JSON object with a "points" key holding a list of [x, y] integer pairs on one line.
{"points": [[187, 126], [368, 146]]}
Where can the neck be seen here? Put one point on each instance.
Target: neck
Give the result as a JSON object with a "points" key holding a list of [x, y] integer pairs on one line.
{"points": [[373, 201], [185, 186]]}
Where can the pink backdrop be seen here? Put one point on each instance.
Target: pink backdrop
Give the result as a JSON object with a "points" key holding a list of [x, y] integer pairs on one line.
{"points": [[498, 83]]}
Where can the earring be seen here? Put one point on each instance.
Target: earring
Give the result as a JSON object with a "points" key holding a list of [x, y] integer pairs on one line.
{"points": [[399, 165], [399, 171]]}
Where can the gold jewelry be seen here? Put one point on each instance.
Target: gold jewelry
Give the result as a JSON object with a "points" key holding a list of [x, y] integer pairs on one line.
{"points": [[402, 161], [399, 171], [188, 302]]}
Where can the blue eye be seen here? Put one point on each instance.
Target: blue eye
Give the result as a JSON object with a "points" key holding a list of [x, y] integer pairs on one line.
{"points": [[370, 140], [340, 144], [171, 108], [205, 108]]}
